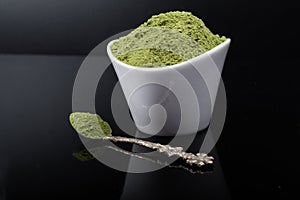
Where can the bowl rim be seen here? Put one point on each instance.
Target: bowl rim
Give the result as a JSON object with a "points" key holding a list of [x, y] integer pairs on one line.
{"points": [[178, 65]]}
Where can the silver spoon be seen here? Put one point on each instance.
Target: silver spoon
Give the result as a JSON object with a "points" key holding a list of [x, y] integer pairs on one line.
{"points": [[92, 126]]}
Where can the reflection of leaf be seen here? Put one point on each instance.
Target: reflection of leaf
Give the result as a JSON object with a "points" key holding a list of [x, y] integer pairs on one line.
{"points": [[86, 155], [90, 125], [83, 155]]}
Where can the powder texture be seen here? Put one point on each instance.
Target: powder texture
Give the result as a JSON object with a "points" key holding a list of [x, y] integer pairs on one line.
{"points": [[90, 125], [165, 39]]}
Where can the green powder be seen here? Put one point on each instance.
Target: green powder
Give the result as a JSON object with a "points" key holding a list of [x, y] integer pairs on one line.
{"points": [[90, 125], [165, 39]]}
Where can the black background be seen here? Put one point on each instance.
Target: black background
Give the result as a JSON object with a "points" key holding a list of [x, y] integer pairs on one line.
{"points": [[258, 28], [42, 44]]}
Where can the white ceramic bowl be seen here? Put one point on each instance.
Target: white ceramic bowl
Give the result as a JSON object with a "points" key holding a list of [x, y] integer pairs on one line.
{"points": [[177, 99]]}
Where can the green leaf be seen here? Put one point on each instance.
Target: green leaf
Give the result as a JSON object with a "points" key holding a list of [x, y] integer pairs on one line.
{"points": [[90, 125]]}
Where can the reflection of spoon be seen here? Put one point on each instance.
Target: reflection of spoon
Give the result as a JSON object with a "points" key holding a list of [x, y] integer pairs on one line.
{"points": [[93, 127], [85, 155]]}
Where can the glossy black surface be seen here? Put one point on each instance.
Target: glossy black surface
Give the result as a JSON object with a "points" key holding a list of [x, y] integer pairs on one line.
{"points": [[255, 156]]}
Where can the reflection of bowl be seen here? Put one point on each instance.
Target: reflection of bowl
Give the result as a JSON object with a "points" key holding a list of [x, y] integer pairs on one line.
{"points": [[161, 100]]}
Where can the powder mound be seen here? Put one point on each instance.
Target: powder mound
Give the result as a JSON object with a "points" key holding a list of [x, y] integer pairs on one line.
{"points": [[165, 39]]}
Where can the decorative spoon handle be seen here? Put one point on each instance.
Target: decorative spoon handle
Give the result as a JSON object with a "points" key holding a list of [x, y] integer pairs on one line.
{"points": [[199, 159]]}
